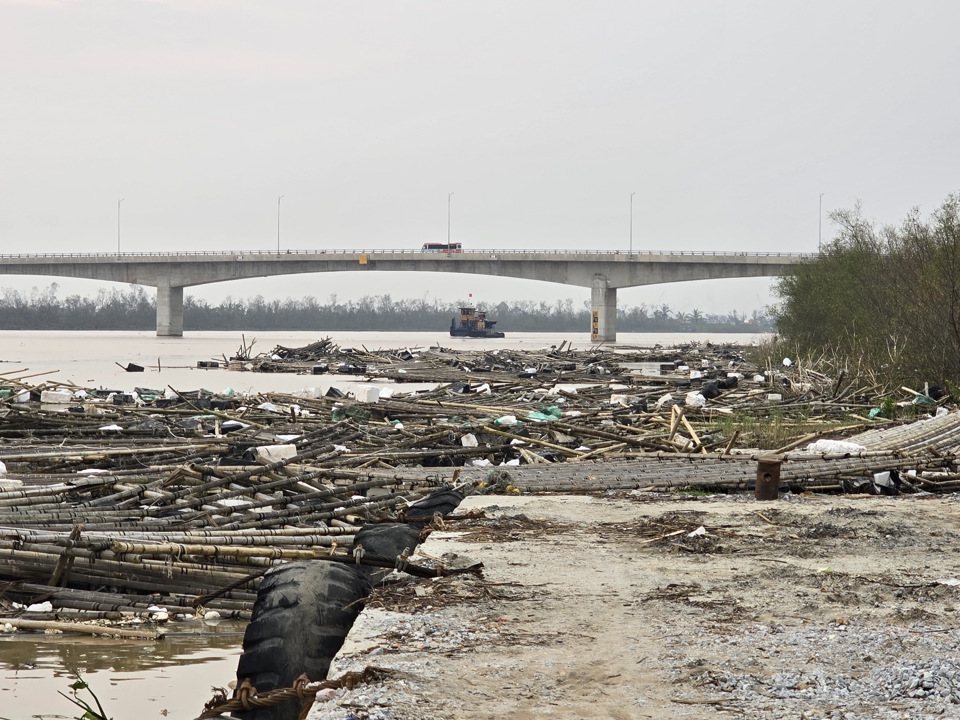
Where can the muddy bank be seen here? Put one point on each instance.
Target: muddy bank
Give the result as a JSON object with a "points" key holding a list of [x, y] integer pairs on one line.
{"points": [[641, 605]]}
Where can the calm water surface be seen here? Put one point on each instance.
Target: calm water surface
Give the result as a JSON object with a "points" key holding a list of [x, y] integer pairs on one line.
{"points": [[172, 678], [169, 678]]}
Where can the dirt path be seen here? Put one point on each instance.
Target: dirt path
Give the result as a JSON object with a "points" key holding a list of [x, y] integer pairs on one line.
{"points": [[609, 607]]}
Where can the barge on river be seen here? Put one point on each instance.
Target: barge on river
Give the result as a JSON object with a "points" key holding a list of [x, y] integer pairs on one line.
{"points": [[474, 324]]}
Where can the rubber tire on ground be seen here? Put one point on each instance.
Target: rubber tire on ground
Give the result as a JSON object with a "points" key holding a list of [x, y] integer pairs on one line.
{"points": [[385, 541], [304, 610], [443, 502], [302, 615]]}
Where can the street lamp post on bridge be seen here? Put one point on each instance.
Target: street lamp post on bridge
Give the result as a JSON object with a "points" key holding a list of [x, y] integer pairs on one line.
{"points": [[279, 198], [820, 227], [449, 195], [631, 222], [118, 224]]}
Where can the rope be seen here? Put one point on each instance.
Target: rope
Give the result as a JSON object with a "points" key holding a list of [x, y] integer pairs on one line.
{"points": [[246, 697]]}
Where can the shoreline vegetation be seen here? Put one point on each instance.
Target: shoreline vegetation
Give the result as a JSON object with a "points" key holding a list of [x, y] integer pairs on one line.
{"points": [[134, 308], [884, 301]]}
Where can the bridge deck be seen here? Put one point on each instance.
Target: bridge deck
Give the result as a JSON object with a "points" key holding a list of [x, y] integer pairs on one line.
{"points": [[603, 271], [387, 253]]}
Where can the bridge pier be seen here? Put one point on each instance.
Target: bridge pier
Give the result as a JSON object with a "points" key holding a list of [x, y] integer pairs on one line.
{"points": [[169, 311], [603, 306]]}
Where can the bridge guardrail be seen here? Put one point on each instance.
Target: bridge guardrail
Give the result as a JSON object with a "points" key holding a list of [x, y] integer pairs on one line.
{"points": [[466, 254]]}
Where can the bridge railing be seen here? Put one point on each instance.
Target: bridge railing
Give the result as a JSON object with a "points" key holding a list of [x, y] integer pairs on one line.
{"points": [[466, 254]]}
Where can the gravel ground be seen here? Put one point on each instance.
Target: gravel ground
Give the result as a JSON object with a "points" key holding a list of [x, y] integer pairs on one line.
{"points": [[638, 605]]}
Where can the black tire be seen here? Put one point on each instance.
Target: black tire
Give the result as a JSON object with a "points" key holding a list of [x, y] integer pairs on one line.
{"points": [[443, 502], [302, 615], [304, 610], [385, 541]]}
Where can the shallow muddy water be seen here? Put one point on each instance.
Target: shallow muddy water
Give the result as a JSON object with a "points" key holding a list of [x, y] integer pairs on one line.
{"points": [[168, 678]]}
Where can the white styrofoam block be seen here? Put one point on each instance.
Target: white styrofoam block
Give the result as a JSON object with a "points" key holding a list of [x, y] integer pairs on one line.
{"points": [[367, 393], [273, 453], [56, 397]]}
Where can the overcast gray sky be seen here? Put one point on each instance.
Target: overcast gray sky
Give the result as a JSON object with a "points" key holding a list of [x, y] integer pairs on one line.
{"points": [[727, 119]]}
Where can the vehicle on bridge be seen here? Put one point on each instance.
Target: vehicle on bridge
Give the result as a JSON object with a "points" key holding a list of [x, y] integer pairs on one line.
{"points": [[474, 324], [442, 247]]}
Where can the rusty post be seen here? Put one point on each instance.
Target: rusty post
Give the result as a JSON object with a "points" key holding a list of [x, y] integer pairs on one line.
{"points": [[768, 478]]}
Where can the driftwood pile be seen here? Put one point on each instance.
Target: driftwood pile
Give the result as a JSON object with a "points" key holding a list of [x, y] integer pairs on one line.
{"points": [[285, 359], [117, 504]]}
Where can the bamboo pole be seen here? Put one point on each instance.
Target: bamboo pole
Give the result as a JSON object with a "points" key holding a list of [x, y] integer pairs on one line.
{"points": [[84, 629], [534, 441]]}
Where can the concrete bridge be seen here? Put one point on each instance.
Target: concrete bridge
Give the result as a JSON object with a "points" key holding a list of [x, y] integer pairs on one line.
{"points": [[602, 271]]}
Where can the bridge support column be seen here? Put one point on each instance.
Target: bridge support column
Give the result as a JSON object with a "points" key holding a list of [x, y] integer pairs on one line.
{"points": [[603, 306], [169, 311]]}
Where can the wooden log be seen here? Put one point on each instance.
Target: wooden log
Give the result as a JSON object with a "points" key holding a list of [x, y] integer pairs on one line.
{"points": [[534, 441], [62, 568], [220, 552], [83, 628], [599, 452], [101, 453]]}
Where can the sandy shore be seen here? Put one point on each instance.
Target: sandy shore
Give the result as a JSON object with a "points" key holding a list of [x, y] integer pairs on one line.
{"points": [[622, 607]]}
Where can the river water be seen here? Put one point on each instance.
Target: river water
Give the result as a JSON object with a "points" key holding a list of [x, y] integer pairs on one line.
{"points": [[94, 359], [172, 678]]}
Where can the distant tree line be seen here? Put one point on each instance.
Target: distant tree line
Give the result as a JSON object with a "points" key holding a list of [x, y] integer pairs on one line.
{"points": [[133, 308], [885, 298]]}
